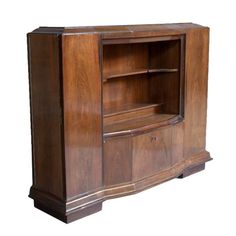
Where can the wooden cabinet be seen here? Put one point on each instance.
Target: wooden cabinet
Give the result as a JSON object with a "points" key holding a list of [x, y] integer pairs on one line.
{"points": [[114, 110]]}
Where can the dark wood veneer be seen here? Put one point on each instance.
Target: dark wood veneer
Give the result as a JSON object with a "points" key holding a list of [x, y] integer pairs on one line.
{"points": [[114, 110]]}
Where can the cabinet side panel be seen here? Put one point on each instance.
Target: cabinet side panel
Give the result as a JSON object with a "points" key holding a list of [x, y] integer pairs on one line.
{"points": [[197, 45], [44, 71], [82, 113]]}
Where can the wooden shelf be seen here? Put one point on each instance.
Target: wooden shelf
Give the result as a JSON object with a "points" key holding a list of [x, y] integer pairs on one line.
{"points": [[129, 108], [140, 125], [162, 70], [140, 72], [130, 111]]}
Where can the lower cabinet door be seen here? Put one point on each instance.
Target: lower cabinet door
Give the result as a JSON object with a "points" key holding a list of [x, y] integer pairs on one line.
{"points": [[152, 153], [127, 159], [117, 163]]}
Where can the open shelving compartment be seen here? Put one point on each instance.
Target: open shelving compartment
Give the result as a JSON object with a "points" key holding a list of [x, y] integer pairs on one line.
{"points": [[143, 84]]}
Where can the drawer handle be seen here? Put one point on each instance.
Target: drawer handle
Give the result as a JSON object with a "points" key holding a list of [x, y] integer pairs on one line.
{"points": [[154, 139]]}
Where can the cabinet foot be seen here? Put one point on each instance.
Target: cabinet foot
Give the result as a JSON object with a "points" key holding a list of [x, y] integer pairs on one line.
{"points": [[73, 215], [192, 170]]}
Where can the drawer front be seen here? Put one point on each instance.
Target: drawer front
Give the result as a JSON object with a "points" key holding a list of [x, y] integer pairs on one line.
{"points": [[152, 153]]}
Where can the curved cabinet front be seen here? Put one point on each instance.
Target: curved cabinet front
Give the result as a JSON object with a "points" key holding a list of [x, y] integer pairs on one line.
{"points": [[129, 159]]}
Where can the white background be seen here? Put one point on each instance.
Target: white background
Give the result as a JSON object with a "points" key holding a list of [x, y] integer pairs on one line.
{"points": [[203, 204]]}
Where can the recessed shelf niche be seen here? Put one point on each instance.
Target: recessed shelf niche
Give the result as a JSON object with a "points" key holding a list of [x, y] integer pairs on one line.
{"points": [[142, 80]]}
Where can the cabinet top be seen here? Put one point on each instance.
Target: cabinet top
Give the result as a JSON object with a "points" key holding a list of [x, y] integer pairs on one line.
{"points": [[119, 29]]}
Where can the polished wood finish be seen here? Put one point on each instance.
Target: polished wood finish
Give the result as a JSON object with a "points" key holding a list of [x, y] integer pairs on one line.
{"points": [[138, 72], [114, 110], [130, 112], [46, 119], [139, 125], [82, 114], [166, 55], [192, 170], [197, 46], [117, 161], [146, 149]]}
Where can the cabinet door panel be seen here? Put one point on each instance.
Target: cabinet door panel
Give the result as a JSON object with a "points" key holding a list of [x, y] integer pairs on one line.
{"points": [[151, 153], [117, 161]]}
